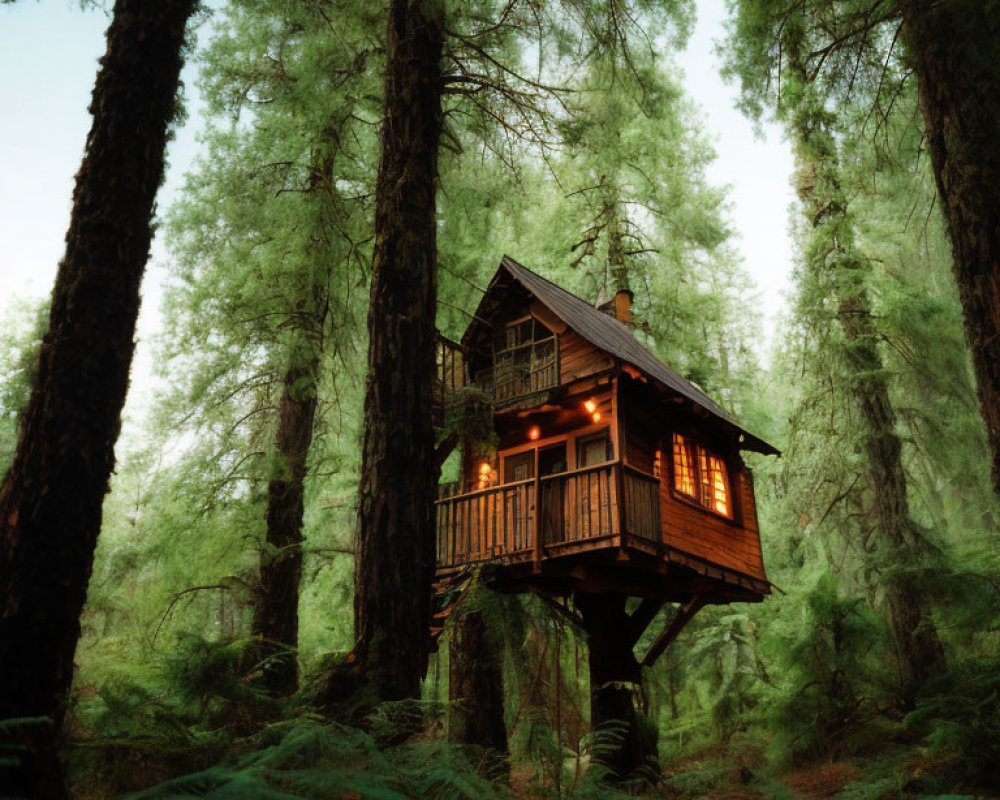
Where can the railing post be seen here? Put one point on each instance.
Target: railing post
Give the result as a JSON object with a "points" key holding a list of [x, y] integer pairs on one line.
{"points": [[619, 474], [537, 528]]}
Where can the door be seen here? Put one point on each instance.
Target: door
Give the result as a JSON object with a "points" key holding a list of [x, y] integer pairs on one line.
{"points": [[552, 461], [593, 488]]}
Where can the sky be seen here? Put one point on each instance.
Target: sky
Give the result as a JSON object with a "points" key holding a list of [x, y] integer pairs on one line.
{"points": [[48, 57]]}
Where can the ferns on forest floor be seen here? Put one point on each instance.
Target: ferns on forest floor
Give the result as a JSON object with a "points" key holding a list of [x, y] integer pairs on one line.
{"points": [[307, 758]]}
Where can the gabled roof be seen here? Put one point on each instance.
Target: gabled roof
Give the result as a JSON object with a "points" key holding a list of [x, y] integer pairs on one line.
{"points": [[614, 338]]}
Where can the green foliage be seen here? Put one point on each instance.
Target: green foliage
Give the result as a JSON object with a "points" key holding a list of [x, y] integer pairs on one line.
{"points": [[831, 665], [20, 340], [961, 715], [305, 758]]}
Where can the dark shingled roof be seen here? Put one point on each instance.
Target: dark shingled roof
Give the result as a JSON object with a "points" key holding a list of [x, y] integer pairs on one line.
{"points": [[616, 339]]}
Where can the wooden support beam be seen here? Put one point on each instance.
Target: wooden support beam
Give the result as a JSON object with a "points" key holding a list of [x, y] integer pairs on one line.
{"points": [[573, 618], [673, 630], [643, 615]]}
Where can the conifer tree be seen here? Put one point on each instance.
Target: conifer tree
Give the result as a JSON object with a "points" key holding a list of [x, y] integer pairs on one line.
{"points": [[835, 263], [50, 499], [267, 287], [866, 50]]}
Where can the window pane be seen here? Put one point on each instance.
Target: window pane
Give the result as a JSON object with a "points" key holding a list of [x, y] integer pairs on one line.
{"points": [[719, 496], [683, 466]]}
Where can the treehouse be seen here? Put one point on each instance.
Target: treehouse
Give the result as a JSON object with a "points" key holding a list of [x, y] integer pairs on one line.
{"points": [[611, 474]]}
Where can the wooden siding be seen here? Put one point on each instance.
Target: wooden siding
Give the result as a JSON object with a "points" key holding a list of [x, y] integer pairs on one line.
{"points": [[578, 358], [706, 535]]}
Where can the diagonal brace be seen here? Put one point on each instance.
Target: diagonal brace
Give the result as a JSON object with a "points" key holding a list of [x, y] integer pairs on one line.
{"points": [[673, 630]]}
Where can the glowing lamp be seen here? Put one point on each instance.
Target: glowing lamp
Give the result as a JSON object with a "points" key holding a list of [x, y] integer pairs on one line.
{"points": [[534, 432], [484, 468], [596, 416], [591, 406]]}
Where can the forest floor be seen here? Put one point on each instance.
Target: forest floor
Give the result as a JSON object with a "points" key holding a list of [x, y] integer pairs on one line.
{"points": [[719, 773], [108, 768]]}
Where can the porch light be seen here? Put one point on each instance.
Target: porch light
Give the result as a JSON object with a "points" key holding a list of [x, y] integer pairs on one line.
{"points": [[485, 475], [596, 416], [591, 406], [534, 432]]}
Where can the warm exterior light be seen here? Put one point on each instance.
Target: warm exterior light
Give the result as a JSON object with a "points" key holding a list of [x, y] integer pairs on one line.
{"points": [[591, 407], [485, 475], [534, 432], [596, 416]]}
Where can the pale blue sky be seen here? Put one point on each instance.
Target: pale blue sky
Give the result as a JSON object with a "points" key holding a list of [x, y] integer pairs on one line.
{"points": [[48, 59]]}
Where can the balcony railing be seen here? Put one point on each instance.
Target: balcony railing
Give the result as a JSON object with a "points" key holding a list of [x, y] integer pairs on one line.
{"points": [[503, 522], [522, 370]]}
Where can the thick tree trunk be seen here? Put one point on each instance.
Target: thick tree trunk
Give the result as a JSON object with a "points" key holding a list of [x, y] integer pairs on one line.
{"points": [[616, 694], [952, 47], [475, 685], [918, 647], [50, 499], [395, 544], [276, 611], [921, 655]]}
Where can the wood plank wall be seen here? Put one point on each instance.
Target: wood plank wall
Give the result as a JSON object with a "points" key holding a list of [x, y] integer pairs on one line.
{"points": [[735, 544], [579, 358]]}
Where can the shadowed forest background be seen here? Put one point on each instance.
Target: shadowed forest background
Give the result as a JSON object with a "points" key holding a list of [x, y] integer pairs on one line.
{"points": [[220, 650]]}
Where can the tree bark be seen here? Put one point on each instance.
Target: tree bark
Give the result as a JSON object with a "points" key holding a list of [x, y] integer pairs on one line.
{"points": [[920, 653], [919, 650], [616, 694], [51, 498], [276, 610], [395, 543], [952, 49], [475, 685]]}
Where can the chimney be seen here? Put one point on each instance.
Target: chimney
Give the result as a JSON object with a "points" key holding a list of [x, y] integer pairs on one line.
{"points": [[623, 306]]}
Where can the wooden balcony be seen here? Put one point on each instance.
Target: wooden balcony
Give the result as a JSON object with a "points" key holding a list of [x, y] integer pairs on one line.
{"points": [[583, 509], [522, 370]]}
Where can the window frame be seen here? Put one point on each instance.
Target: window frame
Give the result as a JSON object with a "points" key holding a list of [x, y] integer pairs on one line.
{"points": [[517, 361], [698, 447], [603, 434]]}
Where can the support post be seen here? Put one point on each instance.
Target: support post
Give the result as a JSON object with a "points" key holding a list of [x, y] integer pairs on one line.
{"points": [[475, 686], [535, 524], [616, 692]]}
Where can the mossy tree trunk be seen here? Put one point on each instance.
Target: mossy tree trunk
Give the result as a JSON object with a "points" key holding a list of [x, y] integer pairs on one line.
{"points": [[952, 47], [475, 685], [835, 260], [51, 498], [395, 543]]}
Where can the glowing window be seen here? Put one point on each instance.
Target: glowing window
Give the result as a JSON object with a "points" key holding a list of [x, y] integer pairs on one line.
{"points": [[701, 475], [684, 466]]}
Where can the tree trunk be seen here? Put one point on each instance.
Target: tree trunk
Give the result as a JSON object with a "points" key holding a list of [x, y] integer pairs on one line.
{"points": [[276, 611], [919, 649], [952, 48], [51, 498], [921, 655], [616, 694], [395, 542], [475, 685]]}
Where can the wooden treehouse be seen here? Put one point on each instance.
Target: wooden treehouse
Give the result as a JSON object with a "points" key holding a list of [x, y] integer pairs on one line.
{"points": [[612, 476]]}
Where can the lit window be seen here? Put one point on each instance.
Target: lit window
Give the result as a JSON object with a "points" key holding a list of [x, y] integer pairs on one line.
{"points": [[684, 466], [701, 475]]}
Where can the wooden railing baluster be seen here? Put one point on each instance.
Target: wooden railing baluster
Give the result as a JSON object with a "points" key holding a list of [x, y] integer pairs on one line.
{"points": [[594, 502]]}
